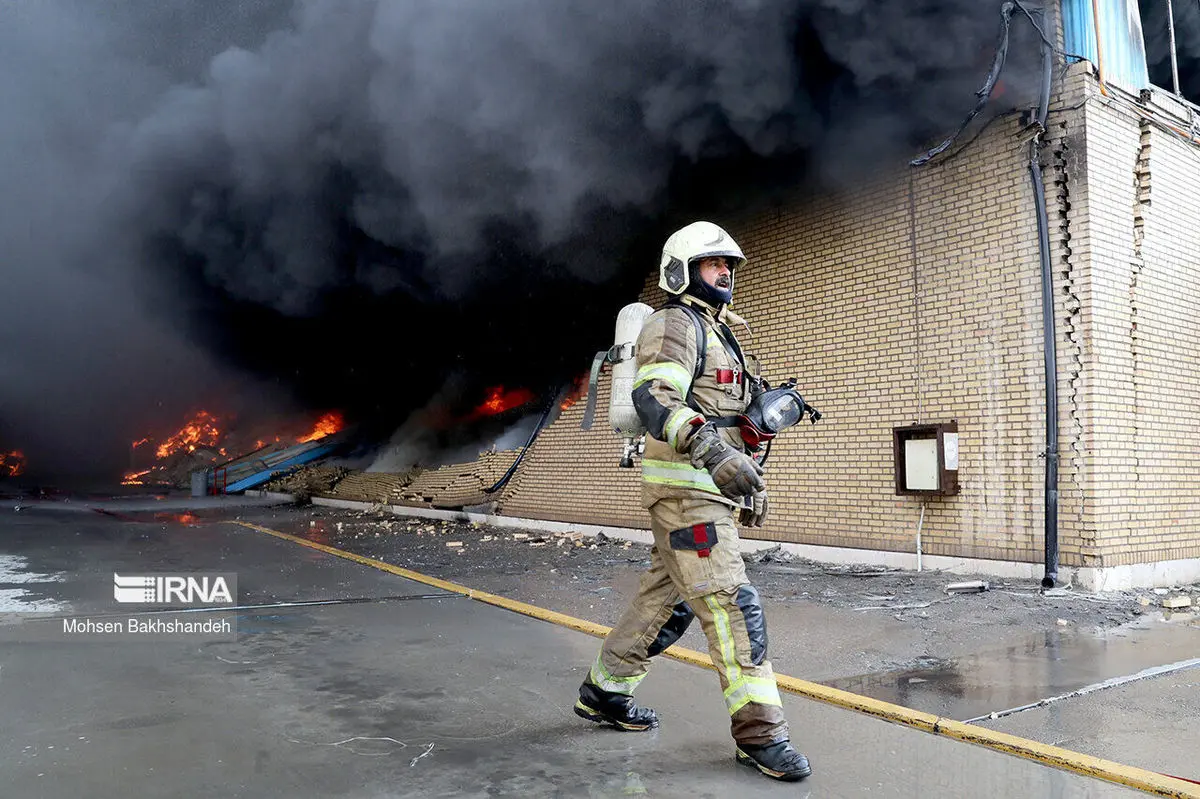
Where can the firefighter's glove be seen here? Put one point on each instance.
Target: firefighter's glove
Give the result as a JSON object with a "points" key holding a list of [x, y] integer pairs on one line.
{"points": [[735, 473], [754, 515]]}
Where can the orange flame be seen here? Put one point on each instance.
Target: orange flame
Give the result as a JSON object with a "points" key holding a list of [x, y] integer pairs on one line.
{"points": [[12, 464], [137, 444], [578, 390], [499, 401], [135, 478], [327, 425], [201, 431]]}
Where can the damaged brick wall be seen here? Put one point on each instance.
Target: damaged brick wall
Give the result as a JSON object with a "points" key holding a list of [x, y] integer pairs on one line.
{"points": [[1064, 161], [839, 296], [1141, 208], [1128, 280], [460, 484], [1162, 269], [452, 486], [378, 487], [572, 475]]}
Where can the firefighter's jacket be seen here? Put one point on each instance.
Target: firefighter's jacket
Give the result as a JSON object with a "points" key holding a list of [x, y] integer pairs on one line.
{"points": [[672, 402]]}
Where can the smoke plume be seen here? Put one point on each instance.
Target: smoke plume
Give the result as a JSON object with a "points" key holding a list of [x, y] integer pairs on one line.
{"points": [[1157, 33], [340, 204]]}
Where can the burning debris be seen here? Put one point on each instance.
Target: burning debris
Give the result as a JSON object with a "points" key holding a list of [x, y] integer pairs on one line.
{"points": [[200, 431], [327, 425], [135, 478], [191, 446], [500, 400], [12, 464], [577, 391], [207, 440]]}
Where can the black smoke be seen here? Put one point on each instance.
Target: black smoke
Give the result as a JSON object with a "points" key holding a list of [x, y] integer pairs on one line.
{"points": [[330, 204], [1157, 33]]}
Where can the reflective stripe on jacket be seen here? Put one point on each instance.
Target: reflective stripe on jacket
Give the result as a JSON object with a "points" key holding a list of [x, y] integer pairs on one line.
{"points": [[666, 360]]}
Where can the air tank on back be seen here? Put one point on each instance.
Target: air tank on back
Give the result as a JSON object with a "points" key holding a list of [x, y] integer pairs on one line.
{"points": [[622, 415]]}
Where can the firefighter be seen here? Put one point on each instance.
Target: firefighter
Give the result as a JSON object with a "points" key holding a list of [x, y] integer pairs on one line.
{"points": [[696, 475]]}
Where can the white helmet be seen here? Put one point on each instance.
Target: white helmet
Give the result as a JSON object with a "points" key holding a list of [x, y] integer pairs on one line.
{"points": [[697, 240]]}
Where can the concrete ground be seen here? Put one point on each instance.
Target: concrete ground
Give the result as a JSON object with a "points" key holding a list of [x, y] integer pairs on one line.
{"points": [[393, 689], [892, 635]]}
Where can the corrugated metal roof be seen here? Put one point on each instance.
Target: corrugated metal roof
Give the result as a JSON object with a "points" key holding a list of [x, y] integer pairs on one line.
{"points": [[1121, 34]]}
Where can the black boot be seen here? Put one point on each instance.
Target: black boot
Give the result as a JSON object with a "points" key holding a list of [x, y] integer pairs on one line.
{"points": [[779, 761], [619, 710]]}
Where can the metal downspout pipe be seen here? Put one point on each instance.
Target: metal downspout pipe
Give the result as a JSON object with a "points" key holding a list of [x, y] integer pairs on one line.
{"points": [[1174, 54], [1049, 340]]}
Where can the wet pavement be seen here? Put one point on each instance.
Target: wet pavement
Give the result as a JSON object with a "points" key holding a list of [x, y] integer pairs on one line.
{"points": [[393, 690], [1044, 666], [1151, 723]]}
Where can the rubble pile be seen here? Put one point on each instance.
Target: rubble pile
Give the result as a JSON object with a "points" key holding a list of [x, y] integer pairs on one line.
{"points": [[176, 470], [382, 488], [460, 484], [775, 554], [462, 538], [453, 486], [309, 480]]}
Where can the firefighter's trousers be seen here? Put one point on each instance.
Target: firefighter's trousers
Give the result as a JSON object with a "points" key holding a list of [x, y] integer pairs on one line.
{"points": [[696, 568]]}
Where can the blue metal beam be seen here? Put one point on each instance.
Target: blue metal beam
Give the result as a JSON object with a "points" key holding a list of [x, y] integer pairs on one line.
{"points": [[258, 478]]}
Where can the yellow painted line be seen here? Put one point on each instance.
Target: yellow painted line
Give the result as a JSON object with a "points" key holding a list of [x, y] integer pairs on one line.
{"points": [[1054, 756], [573, 623]]}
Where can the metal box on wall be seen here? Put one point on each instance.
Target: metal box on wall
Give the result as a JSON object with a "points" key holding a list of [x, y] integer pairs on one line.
{"points": [[926, 459]]}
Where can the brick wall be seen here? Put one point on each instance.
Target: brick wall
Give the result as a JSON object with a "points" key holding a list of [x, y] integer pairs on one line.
{"points": [[1167, 304], [917, 298], [1064, 172], [831, 298], [1143, 240], [572, 475], [451, 486], [459, 484]]}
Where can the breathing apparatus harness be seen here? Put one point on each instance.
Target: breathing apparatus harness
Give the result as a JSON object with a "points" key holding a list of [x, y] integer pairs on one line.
{"points": [[771, 411]]}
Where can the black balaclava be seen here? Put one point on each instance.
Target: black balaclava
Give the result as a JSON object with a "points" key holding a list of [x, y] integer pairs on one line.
{"points": [[712, 295]]}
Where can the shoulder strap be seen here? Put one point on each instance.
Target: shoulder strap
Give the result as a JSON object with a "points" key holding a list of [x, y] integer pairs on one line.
{"points": [[589, 412], [701, 338], [731, 340]]}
